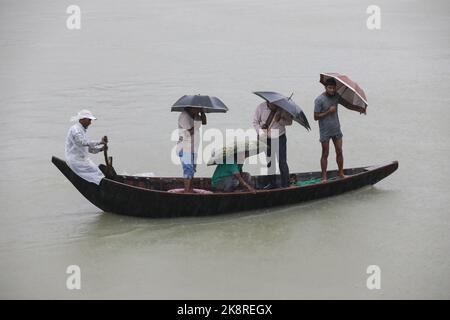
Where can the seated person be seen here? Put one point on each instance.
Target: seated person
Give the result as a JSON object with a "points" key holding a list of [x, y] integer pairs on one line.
{"points": [[229, 177]]}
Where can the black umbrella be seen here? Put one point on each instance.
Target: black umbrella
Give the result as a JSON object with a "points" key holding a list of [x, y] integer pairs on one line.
{"points": [[286, 104], [208, 104]]}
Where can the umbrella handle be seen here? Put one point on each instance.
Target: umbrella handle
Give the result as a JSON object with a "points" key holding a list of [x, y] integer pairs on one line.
{"points": [[203, 117], [270, 119]]}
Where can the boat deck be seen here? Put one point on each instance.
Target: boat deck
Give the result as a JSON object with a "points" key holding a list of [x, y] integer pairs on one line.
{"points": [[258, 182]]}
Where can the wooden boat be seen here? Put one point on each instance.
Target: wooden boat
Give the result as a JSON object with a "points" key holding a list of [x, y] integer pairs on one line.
{"points": [[149, 196]]}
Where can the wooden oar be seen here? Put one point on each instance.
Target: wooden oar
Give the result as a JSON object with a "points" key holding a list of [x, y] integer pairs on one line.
{"points": [[108, 160], [105, 150]]}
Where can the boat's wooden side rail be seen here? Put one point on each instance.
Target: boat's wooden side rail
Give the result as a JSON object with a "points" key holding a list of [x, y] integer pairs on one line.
{"points": [[167, 183]]}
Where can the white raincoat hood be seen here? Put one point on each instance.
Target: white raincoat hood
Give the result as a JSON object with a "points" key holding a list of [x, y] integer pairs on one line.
{"points": [[83, 114]]}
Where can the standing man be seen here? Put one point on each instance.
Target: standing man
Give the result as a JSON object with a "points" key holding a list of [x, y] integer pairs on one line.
{"points": [[189, 123], [326, 112], [271, 121], [78, 146]]}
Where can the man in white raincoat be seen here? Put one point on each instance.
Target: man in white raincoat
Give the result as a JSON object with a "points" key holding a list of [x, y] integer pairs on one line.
{"points": [[78, 146]]}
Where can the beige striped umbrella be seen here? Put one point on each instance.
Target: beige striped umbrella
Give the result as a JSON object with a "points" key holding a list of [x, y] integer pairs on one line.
{"points": [[225, 154], [348, 89]]}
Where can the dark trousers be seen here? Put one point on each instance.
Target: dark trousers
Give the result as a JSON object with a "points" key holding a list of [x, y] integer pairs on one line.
{"points": [[281, 154]]}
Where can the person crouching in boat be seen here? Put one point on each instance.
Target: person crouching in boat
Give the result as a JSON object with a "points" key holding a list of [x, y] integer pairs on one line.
{"points": [[77, 148], [189, 123], [229, 177]]}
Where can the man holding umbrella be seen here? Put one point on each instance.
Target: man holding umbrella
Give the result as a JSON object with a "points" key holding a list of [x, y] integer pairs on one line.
{"points": [[344, 92], [193, 108], [270, 120], [189, 123]]}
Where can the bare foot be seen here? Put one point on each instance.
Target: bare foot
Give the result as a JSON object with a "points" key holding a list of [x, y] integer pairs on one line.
{"points": [[342, 176], [324, 180]]}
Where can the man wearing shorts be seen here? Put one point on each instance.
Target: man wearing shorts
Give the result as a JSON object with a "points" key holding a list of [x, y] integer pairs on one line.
{"points": [[326, 112], [189, 123]]}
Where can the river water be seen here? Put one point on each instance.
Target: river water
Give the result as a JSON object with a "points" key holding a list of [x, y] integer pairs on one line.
{"points": [[132, 59]]}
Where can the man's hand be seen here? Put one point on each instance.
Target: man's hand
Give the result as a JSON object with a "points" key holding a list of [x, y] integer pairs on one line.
{"points": [[332, 109], [321, 115], [363, 110], [203, 117], [104, 140], [252, 190], [264, 126]]}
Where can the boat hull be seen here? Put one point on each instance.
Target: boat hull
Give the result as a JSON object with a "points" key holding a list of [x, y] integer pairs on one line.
{"points": [[122, 198]]}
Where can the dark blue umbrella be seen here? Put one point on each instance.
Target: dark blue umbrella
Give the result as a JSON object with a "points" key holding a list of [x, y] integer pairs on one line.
{"points": [[286, 104], [208, 104]]}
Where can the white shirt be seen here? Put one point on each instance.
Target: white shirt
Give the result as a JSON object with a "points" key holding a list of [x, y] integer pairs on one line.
{"points": [[186, 142], [76, 149], [77, 144], [275, 129]]}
